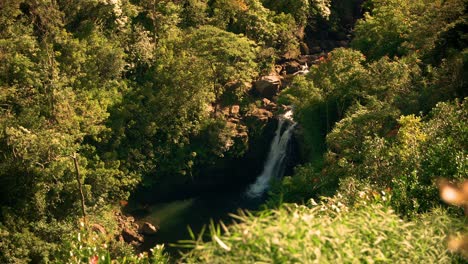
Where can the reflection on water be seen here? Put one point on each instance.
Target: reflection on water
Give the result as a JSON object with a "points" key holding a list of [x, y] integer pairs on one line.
{"points": [[174, 217]]}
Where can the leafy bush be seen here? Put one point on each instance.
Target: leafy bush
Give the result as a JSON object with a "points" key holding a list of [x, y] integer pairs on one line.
{"points": [[303, 185], [408, 160], [325, 233], [88, 247], [399, 27]]}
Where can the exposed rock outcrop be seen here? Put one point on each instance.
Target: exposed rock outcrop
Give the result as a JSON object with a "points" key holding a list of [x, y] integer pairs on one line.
{"points": [[235, 110], [292, 67], [269, 105], [261, 114], [268, 86], [148, 229], [132, 237], [129, 230]]}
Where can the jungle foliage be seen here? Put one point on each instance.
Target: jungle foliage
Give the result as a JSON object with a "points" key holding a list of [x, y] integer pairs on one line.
{"points": [[98, 97], [112, 94]]}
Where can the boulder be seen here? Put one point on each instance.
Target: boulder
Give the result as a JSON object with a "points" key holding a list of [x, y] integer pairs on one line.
{"points": [[268, 86], [148, 229], [266, 102], [269, 105], [130, 236], [235, 109], [292, 67], [261, 114]]}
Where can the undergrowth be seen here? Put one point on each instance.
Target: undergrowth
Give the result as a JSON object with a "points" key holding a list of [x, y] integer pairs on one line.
{"points": [[328, 232]]}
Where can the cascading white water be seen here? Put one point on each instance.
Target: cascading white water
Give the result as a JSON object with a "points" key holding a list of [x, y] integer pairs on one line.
{"points": [[275, 164]]}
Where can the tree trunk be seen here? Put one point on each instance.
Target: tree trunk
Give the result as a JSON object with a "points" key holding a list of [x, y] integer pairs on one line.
{"points": [[80, 187]]}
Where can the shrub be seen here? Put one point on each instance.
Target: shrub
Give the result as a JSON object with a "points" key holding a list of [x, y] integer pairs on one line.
{"points": [[326, 233]]}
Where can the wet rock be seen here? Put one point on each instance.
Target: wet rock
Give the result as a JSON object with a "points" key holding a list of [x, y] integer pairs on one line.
{"points": [[304, 70], [292, 67], [148, 229]]}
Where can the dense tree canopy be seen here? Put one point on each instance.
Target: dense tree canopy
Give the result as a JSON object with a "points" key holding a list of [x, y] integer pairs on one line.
{"points": [[384, 123], [99, 97]]}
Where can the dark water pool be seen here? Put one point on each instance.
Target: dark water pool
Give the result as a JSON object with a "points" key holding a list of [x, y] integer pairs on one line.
{"points": [[173, 218]]}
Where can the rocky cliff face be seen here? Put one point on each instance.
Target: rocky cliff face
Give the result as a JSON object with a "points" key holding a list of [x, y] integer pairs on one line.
{"points": [[251, 130], [230, 156]]}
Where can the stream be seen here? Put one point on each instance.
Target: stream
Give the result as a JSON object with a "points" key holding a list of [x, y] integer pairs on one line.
{"points": [[173, 218]]}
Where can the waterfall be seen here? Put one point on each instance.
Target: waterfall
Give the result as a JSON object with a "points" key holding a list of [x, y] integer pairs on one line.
{"points": [[275, 164]]}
